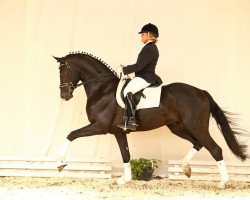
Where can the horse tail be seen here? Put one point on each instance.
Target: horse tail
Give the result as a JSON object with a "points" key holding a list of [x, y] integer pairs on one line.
{"points": [[223, 123]]}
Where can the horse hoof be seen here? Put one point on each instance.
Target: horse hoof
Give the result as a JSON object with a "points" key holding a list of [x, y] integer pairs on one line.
{"points": [[222, 185], [121, 181], [187, 170], [61, 167]]}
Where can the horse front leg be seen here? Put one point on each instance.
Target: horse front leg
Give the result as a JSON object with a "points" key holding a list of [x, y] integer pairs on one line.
{"points": [[91, 129], [123, 145]]}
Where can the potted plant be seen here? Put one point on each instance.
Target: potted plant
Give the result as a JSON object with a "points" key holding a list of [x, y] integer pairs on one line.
{"points": [[143, 169]]}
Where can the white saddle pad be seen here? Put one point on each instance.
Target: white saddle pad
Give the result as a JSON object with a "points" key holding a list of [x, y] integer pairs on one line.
{"points": [[152, 94]]}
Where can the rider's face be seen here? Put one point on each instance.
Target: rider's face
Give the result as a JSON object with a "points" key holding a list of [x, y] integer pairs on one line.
{"points": [[144, 37]]}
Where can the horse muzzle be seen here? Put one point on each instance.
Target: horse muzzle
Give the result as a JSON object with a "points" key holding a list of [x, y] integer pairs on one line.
{"points": [[66, 96]]}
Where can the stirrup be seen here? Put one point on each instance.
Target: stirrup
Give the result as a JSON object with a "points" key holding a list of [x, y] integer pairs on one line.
{"points": [[126, 126], [132, 127], [123, 127], [132, 122]]}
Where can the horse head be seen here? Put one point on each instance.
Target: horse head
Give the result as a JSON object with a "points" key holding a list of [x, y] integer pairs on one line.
{"points": [[87, 68], [69, 78]]}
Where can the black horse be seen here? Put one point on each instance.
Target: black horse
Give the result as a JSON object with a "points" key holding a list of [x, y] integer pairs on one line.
{"points": [[184, 109]]}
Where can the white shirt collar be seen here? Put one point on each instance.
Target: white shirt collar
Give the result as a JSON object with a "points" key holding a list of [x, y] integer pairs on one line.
{"points": [[148, 42]]}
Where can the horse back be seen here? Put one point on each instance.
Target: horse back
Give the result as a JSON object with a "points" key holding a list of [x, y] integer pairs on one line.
{"points": [[184, 99]]}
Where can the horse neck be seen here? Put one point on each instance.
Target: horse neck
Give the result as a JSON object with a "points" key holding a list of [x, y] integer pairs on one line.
{"points": [[98, 88], [91, 69]]}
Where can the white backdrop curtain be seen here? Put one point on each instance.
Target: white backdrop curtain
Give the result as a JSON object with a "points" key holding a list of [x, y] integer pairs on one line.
{"points": [[203, 43]]}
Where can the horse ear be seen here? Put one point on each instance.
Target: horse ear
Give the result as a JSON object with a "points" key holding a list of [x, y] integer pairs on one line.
{"points": [[58, 59]]}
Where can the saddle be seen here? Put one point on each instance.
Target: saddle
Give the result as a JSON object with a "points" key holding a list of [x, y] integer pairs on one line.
{"points": [[146, 98]]}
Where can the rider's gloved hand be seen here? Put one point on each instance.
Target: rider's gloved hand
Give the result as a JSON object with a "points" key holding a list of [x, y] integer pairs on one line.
{"points": [[119, 70]]}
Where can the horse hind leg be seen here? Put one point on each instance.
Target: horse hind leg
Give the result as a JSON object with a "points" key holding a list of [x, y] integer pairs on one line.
{"points": [[223, 173], [216, 152], [186, 160], [182, 132]]}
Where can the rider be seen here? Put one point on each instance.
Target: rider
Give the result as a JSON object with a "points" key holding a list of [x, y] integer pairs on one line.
{"points": [[144, 70]]}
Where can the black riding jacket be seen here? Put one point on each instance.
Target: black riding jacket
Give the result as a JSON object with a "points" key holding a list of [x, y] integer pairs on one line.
{"points": [[145, 64]]}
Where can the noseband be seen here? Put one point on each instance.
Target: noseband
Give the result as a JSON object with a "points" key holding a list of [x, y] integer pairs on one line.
{"points": [[70, 85]]}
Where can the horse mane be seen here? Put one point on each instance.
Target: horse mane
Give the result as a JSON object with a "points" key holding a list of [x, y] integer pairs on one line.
{"points": [[95, 58]]}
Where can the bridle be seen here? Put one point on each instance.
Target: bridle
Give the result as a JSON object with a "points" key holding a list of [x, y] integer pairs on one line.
{"points": [[70, 85]]}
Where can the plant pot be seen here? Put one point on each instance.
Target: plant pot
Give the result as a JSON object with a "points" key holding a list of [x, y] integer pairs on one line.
{"points": [[146, 175]]}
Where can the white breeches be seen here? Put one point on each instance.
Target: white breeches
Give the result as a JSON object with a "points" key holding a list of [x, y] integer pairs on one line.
{"points": [[135, 85]]}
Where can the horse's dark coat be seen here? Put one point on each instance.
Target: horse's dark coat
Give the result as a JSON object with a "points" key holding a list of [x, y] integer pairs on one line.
{"points": [[184, 109]]}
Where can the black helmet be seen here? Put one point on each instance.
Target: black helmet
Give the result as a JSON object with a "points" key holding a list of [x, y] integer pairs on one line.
{"points": [[150, 28]]}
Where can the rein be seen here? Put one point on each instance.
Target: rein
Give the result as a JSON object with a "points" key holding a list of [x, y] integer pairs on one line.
{"points": [[72, 86], [94, 79]]}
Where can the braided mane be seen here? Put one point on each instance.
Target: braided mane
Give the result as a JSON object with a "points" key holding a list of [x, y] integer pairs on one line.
{"points": [[96, 58]]}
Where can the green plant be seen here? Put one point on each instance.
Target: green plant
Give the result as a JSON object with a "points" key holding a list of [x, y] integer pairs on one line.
{"points": [[138, 166]]}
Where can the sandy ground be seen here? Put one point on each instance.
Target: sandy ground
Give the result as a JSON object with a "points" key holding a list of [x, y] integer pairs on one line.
{"points": [[27, 188]]}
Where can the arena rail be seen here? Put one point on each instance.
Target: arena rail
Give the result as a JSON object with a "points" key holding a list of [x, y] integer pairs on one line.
{"points": [[46, 167], [205, 170]]}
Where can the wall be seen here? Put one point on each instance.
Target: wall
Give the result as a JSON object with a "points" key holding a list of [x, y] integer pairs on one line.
{"points": [[202, 43]]}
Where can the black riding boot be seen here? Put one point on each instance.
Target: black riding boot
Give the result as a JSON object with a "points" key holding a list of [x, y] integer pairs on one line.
{"points": [[132, 108], [129, 114]]}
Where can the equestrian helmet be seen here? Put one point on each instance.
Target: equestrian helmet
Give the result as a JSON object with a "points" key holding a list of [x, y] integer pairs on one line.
{"points": [[150, 28]]}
